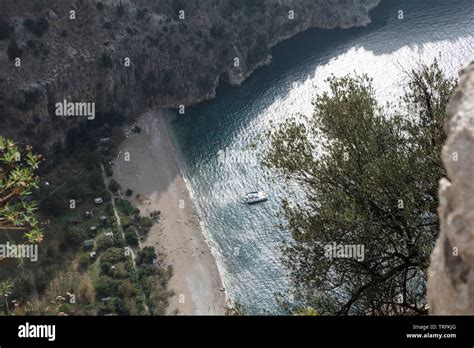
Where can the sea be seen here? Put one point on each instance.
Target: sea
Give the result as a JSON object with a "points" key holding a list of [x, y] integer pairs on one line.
{"points": [[220, 141]]}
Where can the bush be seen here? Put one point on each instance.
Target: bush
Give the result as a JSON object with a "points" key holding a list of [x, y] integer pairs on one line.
{"points": [[143, 224], [117, 137], [90, 159], [129, 192], [105, 61], [38, 27], [126, 207], [126, 221], [95, 181], [109, 209], [29, 24], [41, 27], [146, 222], [155, 214], [113, 255], [100, 6], [108, 169], [84, 260], [105, 286], [104, 242], [125, 288], [131, 237], [13, 50], [75, 188], [75, 235], [146, 256], [53, 205], [114, 186], [120, 271], [105, 267]]}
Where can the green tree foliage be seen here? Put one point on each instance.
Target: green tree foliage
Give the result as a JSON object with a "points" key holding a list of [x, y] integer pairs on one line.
{"points": [[146, 256], [95, 181], [370, 176], [53, 205], [113, 255], [131, 237], [104, 242], [17, 181], [114, 186], [75, 235]]}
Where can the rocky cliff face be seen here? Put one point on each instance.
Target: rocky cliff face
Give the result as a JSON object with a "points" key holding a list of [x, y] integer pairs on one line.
{"points": [[177, 50], [451, 274]]}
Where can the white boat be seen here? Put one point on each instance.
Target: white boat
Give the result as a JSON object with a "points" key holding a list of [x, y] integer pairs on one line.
{"points": [[255, 197]]}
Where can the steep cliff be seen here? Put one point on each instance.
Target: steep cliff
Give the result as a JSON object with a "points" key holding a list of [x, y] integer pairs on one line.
{"points": [[451, 274], [178, 52]]}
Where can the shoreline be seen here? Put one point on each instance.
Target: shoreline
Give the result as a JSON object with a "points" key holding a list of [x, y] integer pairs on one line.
{"points": [[155, 175]]}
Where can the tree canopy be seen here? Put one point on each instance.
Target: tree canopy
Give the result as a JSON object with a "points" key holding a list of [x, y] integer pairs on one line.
{"points": [[17, 181], [370, 177]]}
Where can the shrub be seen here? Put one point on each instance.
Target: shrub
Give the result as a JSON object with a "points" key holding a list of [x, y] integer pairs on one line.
{"points": [[129, 192], [126, 207], [105, 267], [108, 169], [104, 242], [29, 24], [38, 27], [131, 237], [126, 221], [100, 6], [75, 235], [84, 260], [146, 256], [109, 209], [105, 61], [114, 186], [105, 286], [41, 27], [95, 181], [13, 50], [53, 205], [146, 222], [113, 255], [143, 223]]}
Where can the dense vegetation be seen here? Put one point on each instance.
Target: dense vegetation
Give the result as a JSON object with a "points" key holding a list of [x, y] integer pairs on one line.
{"points": [[18, 179], [87, 262], [370, 177]]}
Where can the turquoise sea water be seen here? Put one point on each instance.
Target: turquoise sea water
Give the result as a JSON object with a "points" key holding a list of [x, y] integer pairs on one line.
{"points": [[246, 239]]}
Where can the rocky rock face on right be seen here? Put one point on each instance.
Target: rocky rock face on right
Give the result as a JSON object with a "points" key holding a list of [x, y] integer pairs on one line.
{"points": [[451, 273]]}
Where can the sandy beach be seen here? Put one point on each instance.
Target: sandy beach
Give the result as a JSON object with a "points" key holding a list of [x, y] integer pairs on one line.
{"points": [[153, 173]]}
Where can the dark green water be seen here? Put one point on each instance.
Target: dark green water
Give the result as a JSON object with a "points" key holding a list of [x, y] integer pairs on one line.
{"points": [[246, 239]]}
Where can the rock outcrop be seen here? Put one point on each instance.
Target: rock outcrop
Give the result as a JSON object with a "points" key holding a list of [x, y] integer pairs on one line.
{"points": [[178, 52], [451, 273]]}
